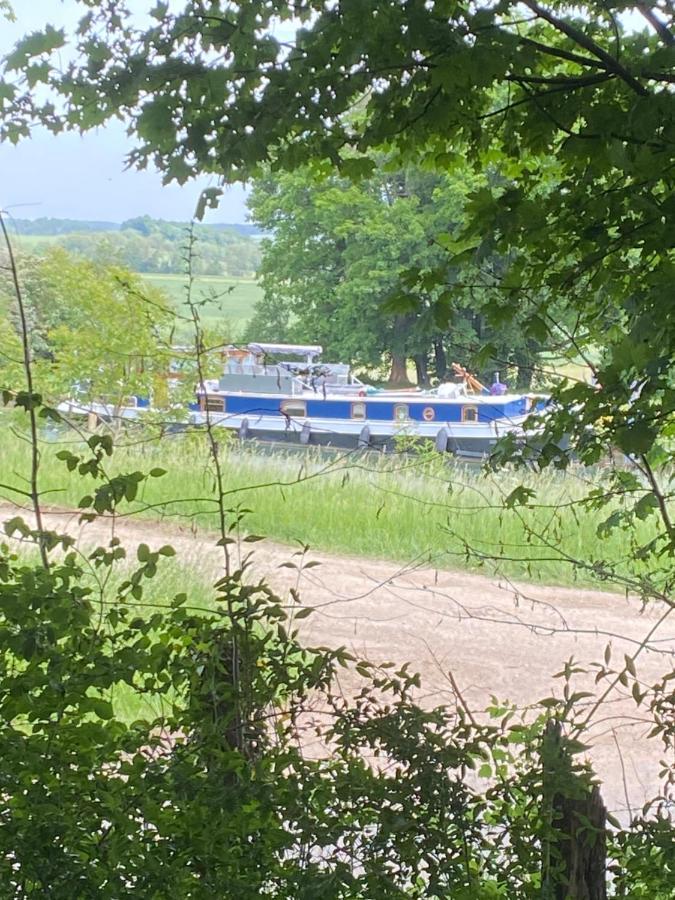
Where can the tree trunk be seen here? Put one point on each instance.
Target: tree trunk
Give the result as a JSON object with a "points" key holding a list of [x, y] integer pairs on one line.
{"points": [[422, 370], [575, 851], [440, 360], [398, 374]]}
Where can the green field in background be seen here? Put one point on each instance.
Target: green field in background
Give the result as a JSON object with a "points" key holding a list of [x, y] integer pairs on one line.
{"points": [[227, 302]]}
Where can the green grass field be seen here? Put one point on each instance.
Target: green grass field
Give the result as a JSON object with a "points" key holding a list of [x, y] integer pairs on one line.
{"points": [[402, 508], [228, 302]]}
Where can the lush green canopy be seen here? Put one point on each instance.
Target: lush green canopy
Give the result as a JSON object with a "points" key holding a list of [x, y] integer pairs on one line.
{"points": [[92, 326], [336, 267]]}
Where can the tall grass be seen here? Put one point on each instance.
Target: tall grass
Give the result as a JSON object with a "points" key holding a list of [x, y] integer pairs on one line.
{"points": [[401, 508]]}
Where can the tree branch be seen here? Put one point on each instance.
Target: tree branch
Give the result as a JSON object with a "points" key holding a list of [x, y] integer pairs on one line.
{"points": [[660, 27], [28, 370], [611, 63], [585, 61]]}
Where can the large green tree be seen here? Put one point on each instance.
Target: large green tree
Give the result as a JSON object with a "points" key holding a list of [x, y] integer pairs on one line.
{"points": [[336, 256], [91, 326], [337, 269]]}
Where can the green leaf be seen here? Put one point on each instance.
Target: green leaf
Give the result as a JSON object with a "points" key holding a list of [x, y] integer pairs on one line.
{"points": [[102, 708], [35, 44], [208, 199], [143, 553]]}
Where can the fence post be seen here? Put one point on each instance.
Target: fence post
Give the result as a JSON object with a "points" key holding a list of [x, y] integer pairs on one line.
{"points": [[574, 847]]}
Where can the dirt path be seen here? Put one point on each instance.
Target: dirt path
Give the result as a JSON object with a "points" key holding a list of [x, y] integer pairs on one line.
{"points": [[496, 637]]}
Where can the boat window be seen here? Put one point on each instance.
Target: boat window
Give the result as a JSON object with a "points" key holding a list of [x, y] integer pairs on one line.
{"points": [[401, 412], [358, 410], [296, 409], [214, 403], [469, 414]]}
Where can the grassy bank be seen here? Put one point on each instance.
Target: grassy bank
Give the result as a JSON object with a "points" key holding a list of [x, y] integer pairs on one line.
{"points": [[401, 508]]}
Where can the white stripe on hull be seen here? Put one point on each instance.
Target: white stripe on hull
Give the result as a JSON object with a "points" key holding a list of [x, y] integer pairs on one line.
{"points": [[378, 429]]}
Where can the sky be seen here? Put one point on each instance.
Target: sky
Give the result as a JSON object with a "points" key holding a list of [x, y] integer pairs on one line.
{"points": [[83, 177], [69, 176]]}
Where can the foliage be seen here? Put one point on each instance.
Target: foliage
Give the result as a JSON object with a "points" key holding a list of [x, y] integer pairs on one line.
{"points": [[207, 788], [151, 245], [333, 268], [95, 327], [50, 227]]}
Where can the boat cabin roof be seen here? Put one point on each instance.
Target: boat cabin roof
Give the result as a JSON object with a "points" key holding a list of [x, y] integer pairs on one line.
{"points": [[307, 350]]}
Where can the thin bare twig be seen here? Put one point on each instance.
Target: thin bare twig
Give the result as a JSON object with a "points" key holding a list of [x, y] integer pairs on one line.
{"points": [[30, 406]]}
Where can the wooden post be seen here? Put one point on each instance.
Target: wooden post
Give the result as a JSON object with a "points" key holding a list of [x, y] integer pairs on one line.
{"points": [[574, 864]]}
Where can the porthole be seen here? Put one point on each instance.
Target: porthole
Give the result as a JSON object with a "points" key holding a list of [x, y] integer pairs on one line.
{"points": [[358, 410], [469, 414], [401, 412]]}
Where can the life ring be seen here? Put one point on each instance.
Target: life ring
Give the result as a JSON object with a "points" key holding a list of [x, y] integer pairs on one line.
{"points": [[428, 414], [362, 393]]}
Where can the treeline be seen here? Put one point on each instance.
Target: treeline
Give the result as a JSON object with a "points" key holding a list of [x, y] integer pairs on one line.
{"points": [[48, 226], [155, 246]]}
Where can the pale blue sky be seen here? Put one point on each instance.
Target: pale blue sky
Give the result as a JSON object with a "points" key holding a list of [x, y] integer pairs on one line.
{"points": [[84, 177], [68, 176]]}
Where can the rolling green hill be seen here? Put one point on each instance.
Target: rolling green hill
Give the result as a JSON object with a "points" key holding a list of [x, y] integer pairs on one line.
{"points": [[229, 301]]}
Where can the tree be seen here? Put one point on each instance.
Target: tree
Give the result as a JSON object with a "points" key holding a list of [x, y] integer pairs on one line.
{"points": [[337, 255], [333, 269], [94, 328], [147, 245]]}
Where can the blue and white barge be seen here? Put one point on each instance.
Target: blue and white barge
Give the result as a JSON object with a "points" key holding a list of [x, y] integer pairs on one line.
{"points": [[282, 392]]}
